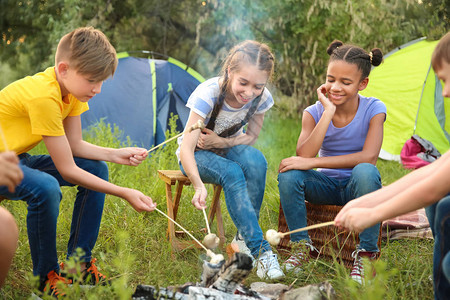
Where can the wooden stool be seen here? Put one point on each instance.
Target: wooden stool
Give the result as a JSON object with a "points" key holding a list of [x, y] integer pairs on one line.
{"points": [[176, 177], [330, 241]]}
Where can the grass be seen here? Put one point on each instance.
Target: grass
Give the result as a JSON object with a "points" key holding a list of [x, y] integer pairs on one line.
{"points": [[132, 247]]}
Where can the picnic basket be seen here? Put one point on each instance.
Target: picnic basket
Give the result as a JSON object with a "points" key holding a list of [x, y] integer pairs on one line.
{"points": [[330, 241]]}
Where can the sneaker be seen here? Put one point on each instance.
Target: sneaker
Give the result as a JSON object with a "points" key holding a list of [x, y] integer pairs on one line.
{"points": [[239, 240], [357, 273], [268, 267], [53, 285], [302, 255], [89, 277]]}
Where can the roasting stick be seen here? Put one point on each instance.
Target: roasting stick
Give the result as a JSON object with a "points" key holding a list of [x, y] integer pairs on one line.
{"points": [[274, 237], [206, 220], [181, 228], [198, 125], [307, 228], [215, 258]]}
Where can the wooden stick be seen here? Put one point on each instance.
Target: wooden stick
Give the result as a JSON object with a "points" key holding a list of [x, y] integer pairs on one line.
{"points": [[198, 125], [307, 228], [182, 228], [206, 220]]}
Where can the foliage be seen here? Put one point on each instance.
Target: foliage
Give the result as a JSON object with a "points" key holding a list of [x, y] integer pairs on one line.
{"points": [[200, 33]]}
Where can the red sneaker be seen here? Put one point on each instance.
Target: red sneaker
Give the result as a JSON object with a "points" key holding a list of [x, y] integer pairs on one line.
{"points": [[357, 273]]}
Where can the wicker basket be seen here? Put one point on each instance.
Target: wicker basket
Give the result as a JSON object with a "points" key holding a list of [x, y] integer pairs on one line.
{"points": [[330, 241]]}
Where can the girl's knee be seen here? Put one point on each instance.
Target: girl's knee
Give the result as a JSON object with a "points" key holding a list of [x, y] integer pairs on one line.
{"points": [[367, 173], [291, 177], [256, 160], [232, 175]]}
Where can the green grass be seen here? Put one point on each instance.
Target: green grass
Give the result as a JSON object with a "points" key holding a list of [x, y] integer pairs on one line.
{"points": [[132, 247]]}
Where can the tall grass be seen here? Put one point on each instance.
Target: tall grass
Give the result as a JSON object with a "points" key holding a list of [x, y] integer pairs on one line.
{"points": [[132, 247]]}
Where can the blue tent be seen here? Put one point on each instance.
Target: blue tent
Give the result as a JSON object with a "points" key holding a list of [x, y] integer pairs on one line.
{"points": [[141, 96]]}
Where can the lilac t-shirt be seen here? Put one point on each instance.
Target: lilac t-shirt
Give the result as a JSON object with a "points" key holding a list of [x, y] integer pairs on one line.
{"points": [[350, 138]]}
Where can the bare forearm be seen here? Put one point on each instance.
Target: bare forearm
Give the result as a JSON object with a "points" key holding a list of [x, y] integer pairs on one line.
{"points": [[391, 191], [242, 139], [421, 194], [187, 159], [310, 146], [89, 151], [343, 161]]}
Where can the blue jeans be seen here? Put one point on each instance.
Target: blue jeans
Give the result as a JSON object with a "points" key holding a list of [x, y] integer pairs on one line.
{"points": [[296, 186], [242, 175], [439, 218], [40, 188]]}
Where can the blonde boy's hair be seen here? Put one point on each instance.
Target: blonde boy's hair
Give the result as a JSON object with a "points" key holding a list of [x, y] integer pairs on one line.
{"points": [[89, 52], [441, 53]]}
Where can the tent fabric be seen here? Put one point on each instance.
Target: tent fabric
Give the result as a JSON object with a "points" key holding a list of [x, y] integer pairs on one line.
{"points": [[406, 83], [141, 96]]}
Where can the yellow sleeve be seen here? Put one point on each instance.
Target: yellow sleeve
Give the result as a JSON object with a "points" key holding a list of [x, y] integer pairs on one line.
{"points": [[46, 117]]}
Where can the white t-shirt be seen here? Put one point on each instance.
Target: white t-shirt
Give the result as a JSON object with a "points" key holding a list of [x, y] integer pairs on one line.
{"points": [[205, 96]]}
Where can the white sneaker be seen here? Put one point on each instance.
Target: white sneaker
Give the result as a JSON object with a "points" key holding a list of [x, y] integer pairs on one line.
{"points": [[239, 240], [268, 266]]}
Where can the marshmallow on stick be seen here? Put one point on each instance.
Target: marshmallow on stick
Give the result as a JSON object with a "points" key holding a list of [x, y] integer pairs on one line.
{"points": [[211, 241], [215, 258], [274, 237]]}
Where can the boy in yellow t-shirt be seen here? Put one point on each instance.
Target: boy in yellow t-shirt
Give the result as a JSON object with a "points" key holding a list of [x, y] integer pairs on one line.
{"points": [[47, 106]]}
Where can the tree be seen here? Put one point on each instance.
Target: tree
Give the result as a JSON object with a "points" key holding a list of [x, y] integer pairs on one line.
{"points": [[200, 32]]}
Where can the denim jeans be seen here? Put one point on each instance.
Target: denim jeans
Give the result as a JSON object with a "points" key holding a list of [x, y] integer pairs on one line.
{"points": [[296, 186], [439, 218], [40, 188], [242, 175]]}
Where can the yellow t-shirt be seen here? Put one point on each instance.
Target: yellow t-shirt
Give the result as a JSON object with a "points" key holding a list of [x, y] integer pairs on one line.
{"points": [[32, 107]]}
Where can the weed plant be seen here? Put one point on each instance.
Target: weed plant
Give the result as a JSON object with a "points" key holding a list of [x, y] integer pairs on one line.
{"points": [[132, 248]]}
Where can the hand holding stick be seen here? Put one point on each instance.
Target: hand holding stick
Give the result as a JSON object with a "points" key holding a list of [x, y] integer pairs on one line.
{"points": [[198, 125], [274, 237]]}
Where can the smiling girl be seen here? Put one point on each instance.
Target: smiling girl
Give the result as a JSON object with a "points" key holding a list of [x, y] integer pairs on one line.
{"points": [[345, 129], [222, 152]]}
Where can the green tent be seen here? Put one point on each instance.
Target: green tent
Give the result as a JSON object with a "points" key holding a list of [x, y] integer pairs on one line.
{"points": [[406, 83]]}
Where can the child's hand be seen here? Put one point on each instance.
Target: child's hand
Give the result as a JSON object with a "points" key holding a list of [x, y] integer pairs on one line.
{"points": [[208, 139], [138, 200], [355, 219], [327, 104], [296, 163], [130, 156], [10, 173], [199, 199]]}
